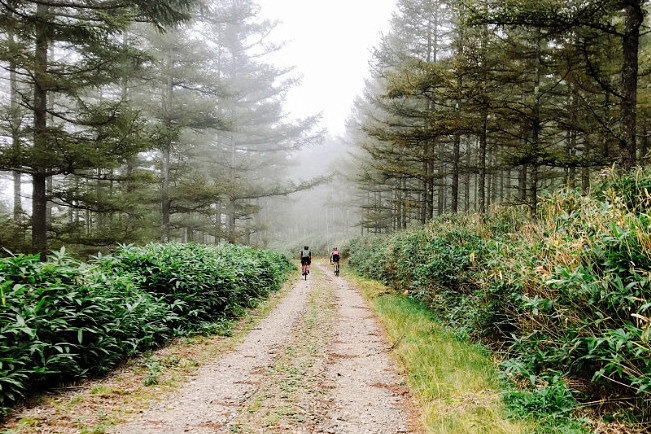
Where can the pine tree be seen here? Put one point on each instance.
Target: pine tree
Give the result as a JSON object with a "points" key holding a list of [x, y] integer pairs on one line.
{"points": [[65, 55], [247, 158], [611, 19]]}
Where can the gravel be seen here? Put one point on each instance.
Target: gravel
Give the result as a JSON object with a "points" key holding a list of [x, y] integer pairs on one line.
{"points": [[319, 363], [368, 393]]}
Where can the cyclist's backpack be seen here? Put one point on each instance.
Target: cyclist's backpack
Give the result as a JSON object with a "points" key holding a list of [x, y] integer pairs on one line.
{"points": [[335, 256]]}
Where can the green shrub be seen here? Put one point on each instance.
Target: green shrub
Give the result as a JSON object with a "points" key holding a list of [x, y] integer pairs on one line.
{"points": [[550, 405], [62, 320], [570, 294], [554, 399], [55, 323]]}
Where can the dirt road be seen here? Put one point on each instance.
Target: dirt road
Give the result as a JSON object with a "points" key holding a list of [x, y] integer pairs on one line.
{"points": [[317, 363]]}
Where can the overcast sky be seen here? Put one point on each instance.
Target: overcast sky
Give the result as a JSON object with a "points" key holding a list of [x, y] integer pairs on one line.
{"points": [[329, 42]]}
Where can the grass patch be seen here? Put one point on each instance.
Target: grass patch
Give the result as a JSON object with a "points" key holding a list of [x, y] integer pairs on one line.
{"points": [[456, 384]]}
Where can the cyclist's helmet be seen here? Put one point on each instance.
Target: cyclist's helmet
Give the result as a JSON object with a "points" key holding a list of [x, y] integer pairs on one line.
{"points": [[305, 247]]}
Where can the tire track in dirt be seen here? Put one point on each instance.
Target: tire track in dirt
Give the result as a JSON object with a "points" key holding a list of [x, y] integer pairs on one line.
{"points": [[319, 363], [292, 396], [368, 394]]}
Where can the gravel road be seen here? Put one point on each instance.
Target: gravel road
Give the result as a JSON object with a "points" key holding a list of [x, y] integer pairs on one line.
{"points": [[318, 363], [367, 395]]}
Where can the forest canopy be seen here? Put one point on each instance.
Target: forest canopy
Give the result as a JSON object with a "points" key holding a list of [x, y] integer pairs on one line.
{"points": [[134, 122], [140, 121], [474, 103]]}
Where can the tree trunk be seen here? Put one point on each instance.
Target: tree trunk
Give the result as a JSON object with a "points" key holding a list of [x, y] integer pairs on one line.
{"points": [[166, 155], [483, 138], [441, 181], [425, 188], [456, 155], [533, 192], [39, 178], [101, 220], [18, 207], [15, 137], [634, 17], [535, 136], [164, 196], [230, 236], [467, 176], [16, 142]]}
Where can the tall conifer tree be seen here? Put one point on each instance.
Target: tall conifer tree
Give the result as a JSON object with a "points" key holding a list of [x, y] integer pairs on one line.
{"points": [[64, 53]]}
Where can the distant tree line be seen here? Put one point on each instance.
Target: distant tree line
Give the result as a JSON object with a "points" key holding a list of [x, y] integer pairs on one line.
{"points": [[477, 102], [140, 120]]}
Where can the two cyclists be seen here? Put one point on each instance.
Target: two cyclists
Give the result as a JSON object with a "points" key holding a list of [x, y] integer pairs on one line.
{"points": [[306, 260]]}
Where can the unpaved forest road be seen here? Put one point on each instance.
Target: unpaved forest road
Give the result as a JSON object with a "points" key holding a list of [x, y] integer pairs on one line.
{"points": [[317, 364]]}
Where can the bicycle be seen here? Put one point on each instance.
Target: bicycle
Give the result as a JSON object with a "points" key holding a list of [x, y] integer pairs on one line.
{"points": [[306, 259], [334, 259], [305, 271]]}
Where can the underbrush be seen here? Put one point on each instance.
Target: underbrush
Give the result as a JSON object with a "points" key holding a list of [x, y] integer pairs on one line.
{"points": [[63, 320], [456, 382], [565, 303]]}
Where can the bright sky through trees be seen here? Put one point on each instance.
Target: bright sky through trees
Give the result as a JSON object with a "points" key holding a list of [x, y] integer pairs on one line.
{"points": [[329, 42]]}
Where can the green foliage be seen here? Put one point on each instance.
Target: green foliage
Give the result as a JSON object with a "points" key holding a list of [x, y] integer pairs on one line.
{"points": [[570, 295], [153, 370], [551, 398], [62, 320], [370, 257], [12, 233], [180, 276], [551, 405], [630, 189], [441, 265]]}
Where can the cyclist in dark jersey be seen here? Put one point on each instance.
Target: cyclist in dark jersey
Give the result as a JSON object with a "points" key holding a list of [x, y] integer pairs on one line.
{"points": [[306, 260]]}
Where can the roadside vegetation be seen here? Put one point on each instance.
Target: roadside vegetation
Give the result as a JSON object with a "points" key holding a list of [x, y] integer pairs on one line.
{"points": [[456, 383], [563, 304], [63, 320]]}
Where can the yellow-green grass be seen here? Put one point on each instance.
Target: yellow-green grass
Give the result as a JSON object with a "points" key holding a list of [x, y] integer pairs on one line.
{"points": [[456, 384]]}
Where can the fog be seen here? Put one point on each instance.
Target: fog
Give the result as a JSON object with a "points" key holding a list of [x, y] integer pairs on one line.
{"points": [[203, 136], [322, 217]]}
